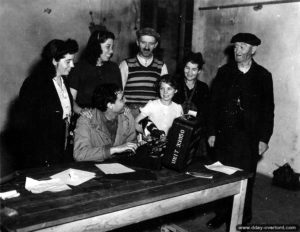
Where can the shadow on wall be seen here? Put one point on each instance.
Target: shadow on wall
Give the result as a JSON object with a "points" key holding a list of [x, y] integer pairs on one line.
{"points": [[12, 137], [10, 142], [229, 53]]}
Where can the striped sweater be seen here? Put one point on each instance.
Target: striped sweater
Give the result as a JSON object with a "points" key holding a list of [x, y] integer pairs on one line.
{"points": [[141, 83]]}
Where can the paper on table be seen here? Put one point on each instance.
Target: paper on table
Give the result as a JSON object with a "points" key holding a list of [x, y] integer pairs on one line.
{"points": [[219, 167], [74, 177], [52, 185], [114, 168], [9, 194]]}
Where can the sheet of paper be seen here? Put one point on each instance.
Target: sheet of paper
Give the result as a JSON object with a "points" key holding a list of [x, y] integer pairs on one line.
{"points": [[114, 168], [74, 177], [219, 167], [52, 185], [9, 194]]}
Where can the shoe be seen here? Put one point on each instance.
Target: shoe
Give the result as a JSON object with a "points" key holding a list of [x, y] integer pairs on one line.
{"points": [[216, 222]]}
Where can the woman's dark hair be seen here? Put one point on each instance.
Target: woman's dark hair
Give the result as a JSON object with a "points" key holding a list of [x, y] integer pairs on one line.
{"points": [[167, 78], [195, 58], [93, 48], [57, 49], [104, 94]]}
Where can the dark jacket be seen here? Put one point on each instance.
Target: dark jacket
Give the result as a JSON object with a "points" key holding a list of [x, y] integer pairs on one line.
{"points": [[42, 126], [200, 97], [257, 99]]}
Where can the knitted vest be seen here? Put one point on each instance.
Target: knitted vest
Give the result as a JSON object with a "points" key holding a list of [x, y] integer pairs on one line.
{"points": [[140, 86]]}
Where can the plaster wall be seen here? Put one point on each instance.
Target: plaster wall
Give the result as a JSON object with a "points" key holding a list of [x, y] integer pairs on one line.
{"points": [[27, 25], [278, 27]]}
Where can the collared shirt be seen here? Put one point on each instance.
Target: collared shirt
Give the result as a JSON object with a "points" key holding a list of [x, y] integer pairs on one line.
{"points": [[143, 61], [64, 98]]}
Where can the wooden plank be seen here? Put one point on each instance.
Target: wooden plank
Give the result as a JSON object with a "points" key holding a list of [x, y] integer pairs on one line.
{"points": [[136, 214]]}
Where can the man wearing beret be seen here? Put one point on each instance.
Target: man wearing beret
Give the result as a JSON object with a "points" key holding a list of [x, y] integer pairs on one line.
{"points": [[140, 73], [241, 118]]}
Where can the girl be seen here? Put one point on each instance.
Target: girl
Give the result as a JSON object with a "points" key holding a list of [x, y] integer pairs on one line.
{"points": [[162, 111]]}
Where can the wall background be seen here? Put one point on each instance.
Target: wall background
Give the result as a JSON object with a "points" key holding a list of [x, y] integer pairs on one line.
{"points": [[278, 28]]}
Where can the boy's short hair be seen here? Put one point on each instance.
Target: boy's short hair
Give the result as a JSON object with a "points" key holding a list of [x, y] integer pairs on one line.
{"points": [[104, 94]]}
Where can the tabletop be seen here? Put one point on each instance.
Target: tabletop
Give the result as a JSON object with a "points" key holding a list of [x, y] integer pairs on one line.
{"points": [[100, 195]]}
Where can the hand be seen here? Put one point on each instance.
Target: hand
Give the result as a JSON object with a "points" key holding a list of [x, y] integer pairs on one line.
{"points": [[126, 110], [124, 147], [211, 140], [85, 112], [262, 148]]}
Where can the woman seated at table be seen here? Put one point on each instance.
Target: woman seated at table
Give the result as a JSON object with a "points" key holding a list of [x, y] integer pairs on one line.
{"points": [[45, 107], [109, 131]]}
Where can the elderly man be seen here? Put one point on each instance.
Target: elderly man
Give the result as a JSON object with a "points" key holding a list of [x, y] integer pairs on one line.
{"points": [[109, 131], [241, 117], [140, 73]]}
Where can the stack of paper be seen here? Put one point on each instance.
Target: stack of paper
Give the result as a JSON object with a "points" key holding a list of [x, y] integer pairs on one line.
{"points": [[114, 168], [9, 194], [219, 167], [52, 185], [74, 177]]}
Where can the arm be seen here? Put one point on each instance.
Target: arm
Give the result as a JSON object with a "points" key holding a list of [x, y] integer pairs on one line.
{"points": [[138, 126], [124, 72], [267, 116], [84, 150], [164, 70], [213, 106], [267, 109], [77, 109], [132, 131]]}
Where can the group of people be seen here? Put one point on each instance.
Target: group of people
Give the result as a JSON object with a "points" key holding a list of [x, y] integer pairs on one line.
{"points": [[105, 103]]}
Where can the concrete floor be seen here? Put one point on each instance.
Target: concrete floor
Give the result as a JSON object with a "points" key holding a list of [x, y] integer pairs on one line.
{"points": [[271, 205]]}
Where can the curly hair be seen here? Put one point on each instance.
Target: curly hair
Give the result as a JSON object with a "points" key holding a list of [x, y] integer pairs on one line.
{"points": [[93, 48], [104, 94]]}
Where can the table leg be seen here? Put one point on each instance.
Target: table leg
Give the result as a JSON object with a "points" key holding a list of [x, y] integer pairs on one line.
{"points": [[238, 206]]}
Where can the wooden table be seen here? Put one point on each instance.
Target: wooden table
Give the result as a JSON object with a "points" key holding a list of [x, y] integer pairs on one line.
{"points": [[103, 204]]}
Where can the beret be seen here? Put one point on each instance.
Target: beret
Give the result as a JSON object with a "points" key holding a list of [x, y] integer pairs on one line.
{"points": [[246, 38], [148, 31]]}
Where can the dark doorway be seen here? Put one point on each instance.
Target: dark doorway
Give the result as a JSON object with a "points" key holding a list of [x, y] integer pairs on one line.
{"points": [[173, 19]]}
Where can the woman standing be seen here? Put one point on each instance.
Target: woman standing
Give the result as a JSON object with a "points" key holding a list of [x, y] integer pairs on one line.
{"points": [[94, 69], [45, 105], [192, 93]]}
